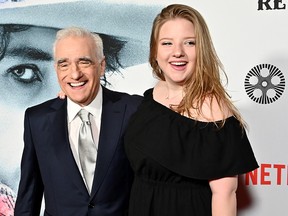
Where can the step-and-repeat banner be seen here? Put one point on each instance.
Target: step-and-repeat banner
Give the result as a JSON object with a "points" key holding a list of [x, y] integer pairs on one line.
{"points": [[250, 37]]}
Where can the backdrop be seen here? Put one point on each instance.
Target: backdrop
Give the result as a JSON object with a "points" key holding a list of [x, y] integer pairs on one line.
{"points": [[250, 37]]}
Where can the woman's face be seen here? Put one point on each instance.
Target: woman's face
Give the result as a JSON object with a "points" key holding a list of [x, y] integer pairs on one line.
{"points": [[27, 77], [176, 53]]}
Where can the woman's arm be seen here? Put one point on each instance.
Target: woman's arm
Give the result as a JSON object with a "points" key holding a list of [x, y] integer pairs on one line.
{"points": [[224, 201]]}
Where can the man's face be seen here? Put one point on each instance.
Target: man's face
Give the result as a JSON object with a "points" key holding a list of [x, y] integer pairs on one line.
{"points": [[27, 77], [78, 68], [26, 71]]}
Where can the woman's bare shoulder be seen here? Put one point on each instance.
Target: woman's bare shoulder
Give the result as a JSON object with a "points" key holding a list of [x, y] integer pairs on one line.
{"points": [[214, 110]]}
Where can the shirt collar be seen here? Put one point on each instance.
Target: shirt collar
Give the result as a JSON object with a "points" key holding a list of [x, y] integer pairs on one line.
{"points": [[94, 107]]}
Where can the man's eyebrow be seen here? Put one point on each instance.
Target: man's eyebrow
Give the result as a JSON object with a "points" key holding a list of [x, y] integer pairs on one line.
{"points": [[61, 60], [31, 53], [85, 58]]}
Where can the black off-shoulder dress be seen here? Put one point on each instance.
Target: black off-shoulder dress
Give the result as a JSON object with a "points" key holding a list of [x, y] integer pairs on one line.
{"points": [[173, 158]]}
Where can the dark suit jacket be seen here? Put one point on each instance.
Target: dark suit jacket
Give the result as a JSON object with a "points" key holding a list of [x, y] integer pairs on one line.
{"points": [[48, 164]]}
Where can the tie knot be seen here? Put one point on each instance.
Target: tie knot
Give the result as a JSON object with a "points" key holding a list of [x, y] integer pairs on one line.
{"points": [[84, 115]]}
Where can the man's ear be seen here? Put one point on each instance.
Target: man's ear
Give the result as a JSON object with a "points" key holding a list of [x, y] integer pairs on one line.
{"points": [[103, 66]]}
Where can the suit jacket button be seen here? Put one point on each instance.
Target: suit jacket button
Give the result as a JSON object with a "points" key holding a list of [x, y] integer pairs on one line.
{"points": [[91, 205]]}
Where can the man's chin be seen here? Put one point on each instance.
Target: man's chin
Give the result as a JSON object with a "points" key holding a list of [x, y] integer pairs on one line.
{"points": [[7, 200]]}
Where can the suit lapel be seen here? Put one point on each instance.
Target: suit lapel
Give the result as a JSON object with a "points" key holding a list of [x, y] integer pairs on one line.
{"points": [[111, 121], [111, 124], [62, 149]]}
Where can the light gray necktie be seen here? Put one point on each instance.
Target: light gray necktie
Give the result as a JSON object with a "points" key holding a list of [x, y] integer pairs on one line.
{"points": [[87, 149]]}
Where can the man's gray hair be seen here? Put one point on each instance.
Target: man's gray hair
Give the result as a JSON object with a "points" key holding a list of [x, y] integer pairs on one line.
{"points": [[81, 32]]}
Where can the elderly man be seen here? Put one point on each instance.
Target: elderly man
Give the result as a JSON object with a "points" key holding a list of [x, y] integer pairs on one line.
{"points": [[79, 164]]}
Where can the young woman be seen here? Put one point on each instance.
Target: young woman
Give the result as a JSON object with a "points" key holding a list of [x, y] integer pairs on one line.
{"points": [[187, 142]]}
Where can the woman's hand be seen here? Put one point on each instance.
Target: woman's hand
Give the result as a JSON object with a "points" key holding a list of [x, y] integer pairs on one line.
{"points": [[61, 94]]}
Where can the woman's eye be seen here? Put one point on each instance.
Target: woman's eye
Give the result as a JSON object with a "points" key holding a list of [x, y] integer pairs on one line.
{"points": [[166, 43], [190, 43], [26, 73]]}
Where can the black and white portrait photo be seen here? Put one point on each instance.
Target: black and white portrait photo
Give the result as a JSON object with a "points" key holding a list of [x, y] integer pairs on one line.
{"points": [[27, 75]]}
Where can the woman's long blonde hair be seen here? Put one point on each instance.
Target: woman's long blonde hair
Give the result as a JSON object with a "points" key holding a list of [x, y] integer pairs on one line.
{"points": [[205, 81]]}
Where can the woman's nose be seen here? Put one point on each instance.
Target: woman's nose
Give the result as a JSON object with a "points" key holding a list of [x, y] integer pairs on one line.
{"points": [[178, 51]]}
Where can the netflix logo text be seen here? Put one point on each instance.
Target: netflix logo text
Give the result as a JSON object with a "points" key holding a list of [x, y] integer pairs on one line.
{"points": [[268, 174]]}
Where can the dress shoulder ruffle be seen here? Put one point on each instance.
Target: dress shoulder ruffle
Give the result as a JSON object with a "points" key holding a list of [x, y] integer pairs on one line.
{"points": [[188, 147]]}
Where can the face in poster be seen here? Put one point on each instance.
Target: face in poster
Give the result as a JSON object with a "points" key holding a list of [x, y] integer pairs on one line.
{"points": [[27, 76]]}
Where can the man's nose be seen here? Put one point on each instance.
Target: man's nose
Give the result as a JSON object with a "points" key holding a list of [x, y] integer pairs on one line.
{"points": [[76, 72]]}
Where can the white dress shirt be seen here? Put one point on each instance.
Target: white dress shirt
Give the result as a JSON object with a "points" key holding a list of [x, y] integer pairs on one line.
{"points": [[74, 123]]}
